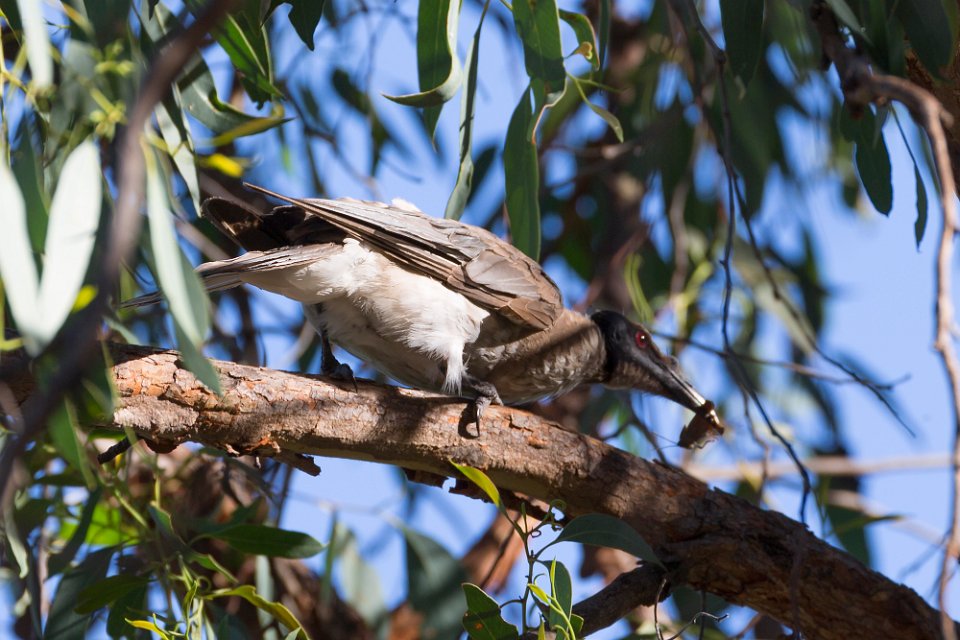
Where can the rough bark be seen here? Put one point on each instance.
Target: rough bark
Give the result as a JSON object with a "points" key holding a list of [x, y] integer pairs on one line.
{"points": [[707, 538]]}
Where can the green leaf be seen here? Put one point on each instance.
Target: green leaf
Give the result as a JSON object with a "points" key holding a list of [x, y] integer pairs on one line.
{"points": [[464, 185], [63, 622], [522, 177], [920, 226], [176, 135], [538, 25], [26, 167], [189, 304], [277, 610], [483, 620], [269, 541], [586, 36], [103, 592], [561, 595], [612, 121], [57, 562], [71, 232], [606, 531], [197, 88], [873, 167], [433, 578], [481, 479], [931, 28], [846, 15], [360, 582], [149, 626], [17, 268], [195, 361], [63, 431], [604, 35], [245, 42], [437, 63], [305, 17], [129, 605], [743, 33], [37, 42]]}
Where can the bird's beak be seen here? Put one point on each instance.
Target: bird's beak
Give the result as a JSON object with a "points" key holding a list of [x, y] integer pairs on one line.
{"points": [[670, 382]]}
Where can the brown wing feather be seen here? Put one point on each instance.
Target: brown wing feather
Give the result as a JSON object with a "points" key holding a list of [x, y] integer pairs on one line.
{"points": [[472, 261]]}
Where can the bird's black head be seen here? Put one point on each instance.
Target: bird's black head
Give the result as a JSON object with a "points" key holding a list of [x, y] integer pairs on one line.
{"points": [[635, 362]]}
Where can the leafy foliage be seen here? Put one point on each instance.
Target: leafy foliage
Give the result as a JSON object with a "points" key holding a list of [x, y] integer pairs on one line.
{"points": [[623, 154]]}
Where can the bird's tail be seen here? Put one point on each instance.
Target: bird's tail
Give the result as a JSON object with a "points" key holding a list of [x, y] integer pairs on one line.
{"points": [[226, 274]]}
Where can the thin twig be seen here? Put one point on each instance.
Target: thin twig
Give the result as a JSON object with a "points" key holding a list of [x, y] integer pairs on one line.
{"points": [[687, 9], [861, 87]]}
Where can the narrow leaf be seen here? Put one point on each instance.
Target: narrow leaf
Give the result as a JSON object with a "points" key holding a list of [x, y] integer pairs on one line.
{"points": [[873, 166], [176, 135], [538, 25], [464, 184], [522, 177], [17, 268], [482, 481], [920, 226], [437, 64], [71, 232], [277, 610], [38, 42], [63, 432], [305, 16], [586, 36], [103, 592], [56, 563], [561, 594], [846, 15], [931, 28], [269, 541], [743, 33], [606, 531]]}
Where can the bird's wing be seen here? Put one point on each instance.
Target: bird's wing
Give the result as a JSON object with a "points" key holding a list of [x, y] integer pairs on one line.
{"points": [[469, 260]]}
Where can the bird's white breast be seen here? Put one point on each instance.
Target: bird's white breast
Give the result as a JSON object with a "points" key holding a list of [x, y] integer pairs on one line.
{"points": [[384, 314]]}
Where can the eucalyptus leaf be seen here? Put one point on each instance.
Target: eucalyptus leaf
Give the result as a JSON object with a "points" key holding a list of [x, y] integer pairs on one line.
{"points": [[932, 29], [437, 63], [606, 531], [538, 25], [464, 185], [71, 232], [482, 481], [37, 41], [743, 33], [305, 17], [483, 619], [269, 541], [522, 177], [17, 268], [275, 609]]}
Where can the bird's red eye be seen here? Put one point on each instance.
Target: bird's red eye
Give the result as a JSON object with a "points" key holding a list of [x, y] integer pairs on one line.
{"points": [[642, 339]]}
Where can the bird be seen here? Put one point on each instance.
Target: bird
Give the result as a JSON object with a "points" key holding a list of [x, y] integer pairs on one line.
{"points": [[435, 304]]}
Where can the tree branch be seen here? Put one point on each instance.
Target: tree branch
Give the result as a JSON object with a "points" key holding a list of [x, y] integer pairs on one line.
{"points": [[708, 539]]}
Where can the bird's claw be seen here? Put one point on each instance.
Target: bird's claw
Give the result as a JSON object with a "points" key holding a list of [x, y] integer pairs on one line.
{"points": [[340, 371]]}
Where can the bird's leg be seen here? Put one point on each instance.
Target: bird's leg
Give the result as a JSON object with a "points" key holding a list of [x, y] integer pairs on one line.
{"points": [[330, 366], [484, 393]]}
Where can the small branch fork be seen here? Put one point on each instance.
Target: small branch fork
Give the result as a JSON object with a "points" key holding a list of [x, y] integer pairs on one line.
{"points": [[861, 86]]}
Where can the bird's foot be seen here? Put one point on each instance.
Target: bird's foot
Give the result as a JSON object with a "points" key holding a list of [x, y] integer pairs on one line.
{"points": [[485, 395], [342, 372], [333, 368]]}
